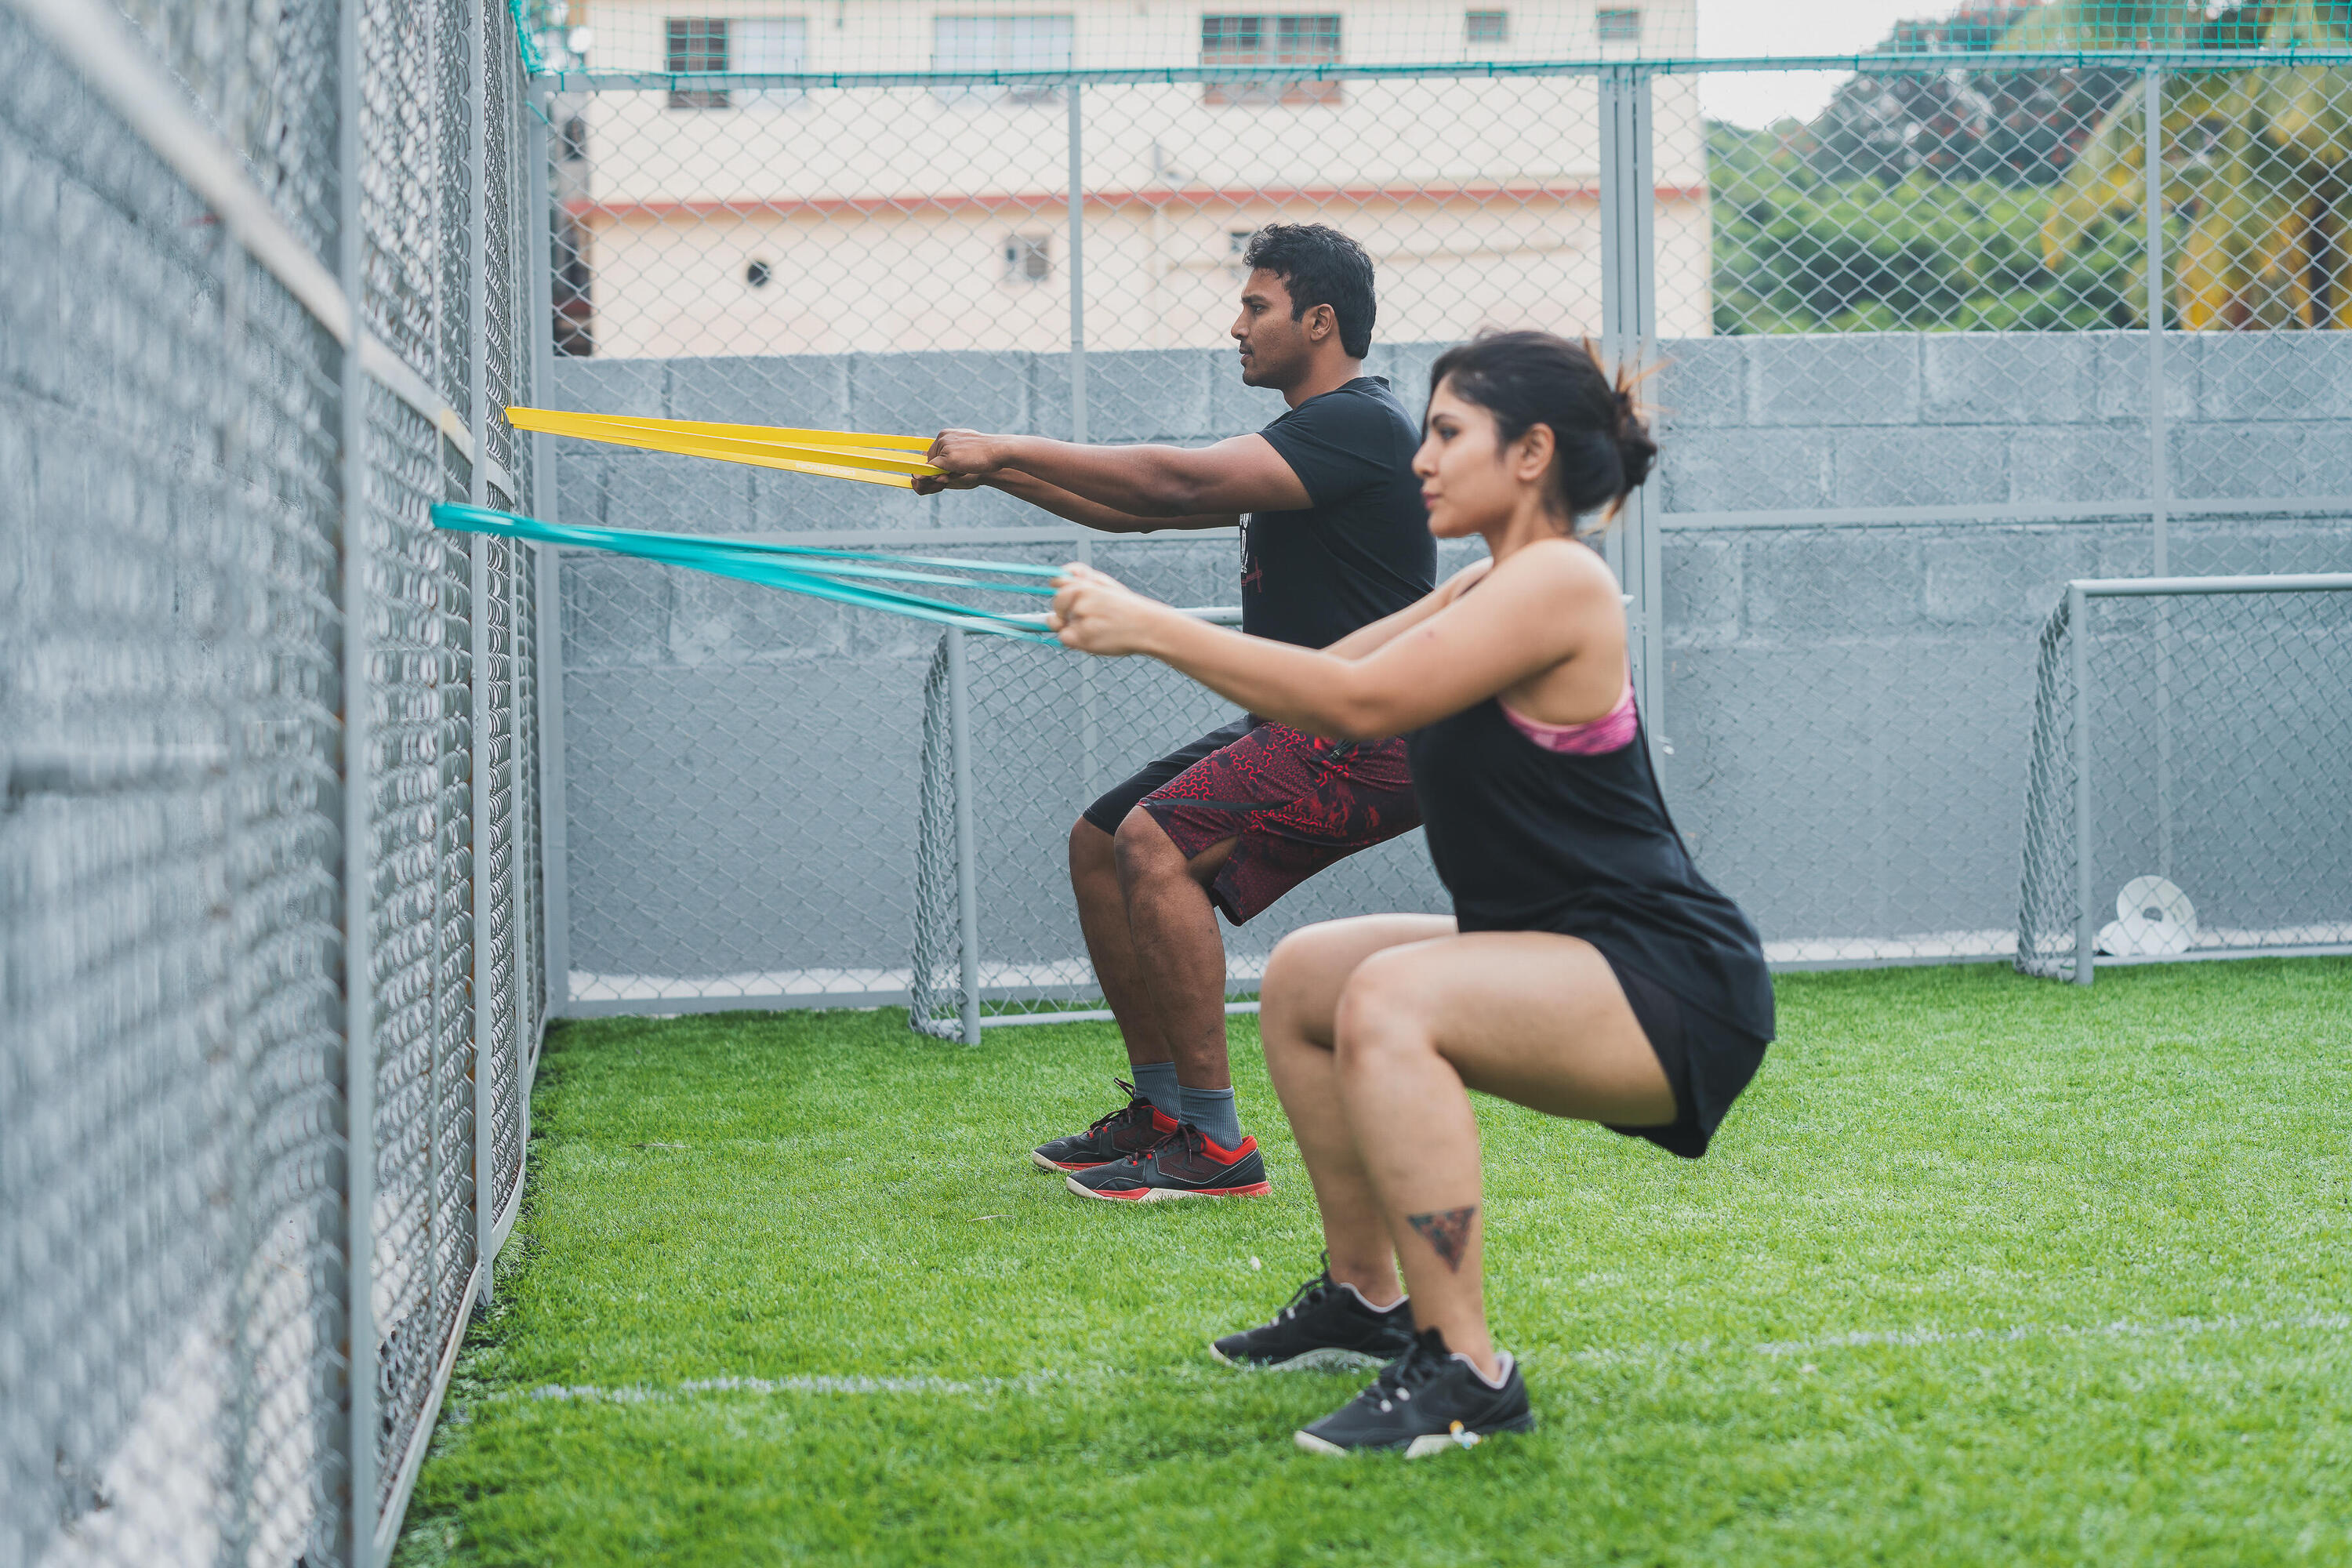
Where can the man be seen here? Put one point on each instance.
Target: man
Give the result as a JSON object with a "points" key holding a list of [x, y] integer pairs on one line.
{"points": [[1334, 537]]}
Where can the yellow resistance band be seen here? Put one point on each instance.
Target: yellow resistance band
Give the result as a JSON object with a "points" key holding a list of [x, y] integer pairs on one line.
{"points": [[834, 453]]}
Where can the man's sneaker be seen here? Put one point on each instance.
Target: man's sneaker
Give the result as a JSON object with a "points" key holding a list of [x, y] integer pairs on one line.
{"points": [[1426, 1401], [1130, 1130], [1327, 1324], [1187, 1166]]}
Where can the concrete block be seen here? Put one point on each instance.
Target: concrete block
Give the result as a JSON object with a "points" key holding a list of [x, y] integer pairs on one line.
{"points": [[2237, 459], [918, 395], [579, 485], [1235, 409], [1982, 378], [1805, 586], [1936, 466], [1704, 589], [638, 386], [678, 495], [1745, 470], [793, 502], [717, 620], [2326, 450], [2007, 577], [1141, 396], [2275, 375], [711, 832], [810, 391], [1407, 367], [2077, 463], [2118, 372], [1701, 383], [1195, 570], [1859, 379], [615, 611]]}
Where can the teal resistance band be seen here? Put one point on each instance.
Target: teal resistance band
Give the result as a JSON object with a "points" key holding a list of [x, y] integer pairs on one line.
{"points": [[794, 568]]}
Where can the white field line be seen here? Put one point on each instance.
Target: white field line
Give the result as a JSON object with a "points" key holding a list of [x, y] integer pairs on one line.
{"points": [[1773, 1350]]}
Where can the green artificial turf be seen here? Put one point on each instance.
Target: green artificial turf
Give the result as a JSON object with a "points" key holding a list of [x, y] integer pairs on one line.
{"points": [[1982, 1269]]}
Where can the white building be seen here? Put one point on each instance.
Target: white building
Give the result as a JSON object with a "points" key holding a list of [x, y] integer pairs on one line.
{"points": [[731, 220]]}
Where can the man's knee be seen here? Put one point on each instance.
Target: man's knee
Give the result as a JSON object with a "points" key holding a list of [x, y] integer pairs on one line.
{"points": [[1091, 850], [1143, 849]]}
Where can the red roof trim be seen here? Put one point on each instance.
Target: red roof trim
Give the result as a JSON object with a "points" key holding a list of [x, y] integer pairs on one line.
{"points": [[1195, 196]]}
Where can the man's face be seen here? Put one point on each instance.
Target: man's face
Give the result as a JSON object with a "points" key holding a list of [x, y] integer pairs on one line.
{"points": [[1275, 350]]}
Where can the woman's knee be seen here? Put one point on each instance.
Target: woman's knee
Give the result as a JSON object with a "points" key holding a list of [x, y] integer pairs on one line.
{"points": [[1383, 1008]]}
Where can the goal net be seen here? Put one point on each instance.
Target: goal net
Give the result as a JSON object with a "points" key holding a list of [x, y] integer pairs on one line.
{"points": [[2189, 792], [1018, 738]]}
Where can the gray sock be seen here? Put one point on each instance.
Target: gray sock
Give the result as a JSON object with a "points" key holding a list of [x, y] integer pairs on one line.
{"points": [[1156, 1081], [1213, 1112]]}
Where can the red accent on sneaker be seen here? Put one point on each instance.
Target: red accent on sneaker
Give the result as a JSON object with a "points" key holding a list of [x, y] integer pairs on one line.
{"points": [[1218, 1152]]}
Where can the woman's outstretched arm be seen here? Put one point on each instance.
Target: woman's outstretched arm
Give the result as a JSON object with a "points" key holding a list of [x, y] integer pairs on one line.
{"points": [[1545, 606]]}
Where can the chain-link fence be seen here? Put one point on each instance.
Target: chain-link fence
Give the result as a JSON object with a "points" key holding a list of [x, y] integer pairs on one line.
{"points": [[2051, 293], [269, 892], [2189, 796], [1915, 372]]}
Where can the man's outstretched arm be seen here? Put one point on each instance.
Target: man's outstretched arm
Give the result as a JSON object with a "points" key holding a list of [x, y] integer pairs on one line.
{"points": [[1074, 508], [1156, 484]]}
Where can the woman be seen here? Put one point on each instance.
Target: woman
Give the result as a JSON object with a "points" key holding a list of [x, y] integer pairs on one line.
{"points": [[1588, 971]]}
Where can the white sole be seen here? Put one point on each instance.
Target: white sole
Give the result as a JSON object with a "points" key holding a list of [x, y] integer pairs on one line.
{"points": [[1421, 1447], [1153, 1195], [1329, 1359]]}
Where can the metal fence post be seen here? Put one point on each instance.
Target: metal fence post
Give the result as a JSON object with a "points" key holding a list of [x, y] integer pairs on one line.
{"points": [[547, 648], [356, 1436], [477, 622], [2079, 630], [1078, 266], [2158, 475], [966, 848], [1629, 314]]}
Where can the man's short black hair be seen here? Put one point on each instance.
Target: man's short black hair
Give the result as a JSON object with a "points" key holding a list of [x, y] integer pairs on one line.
{"points": [[1320, 266]]}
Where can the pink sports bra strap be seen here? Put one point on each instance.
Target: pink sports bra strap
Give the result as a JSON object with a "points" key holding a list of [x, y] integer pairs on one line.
{"points": [[1614, 731]]}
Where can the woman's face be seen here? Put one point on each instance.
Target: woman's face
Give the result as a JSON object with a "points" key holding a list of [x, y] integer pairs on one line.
{"points": [[1466, 482]]}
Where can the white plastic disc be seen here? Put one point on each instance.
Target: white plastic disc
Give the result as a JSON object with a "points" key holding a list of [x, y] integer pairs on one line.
{"points": [[2154, 918]]}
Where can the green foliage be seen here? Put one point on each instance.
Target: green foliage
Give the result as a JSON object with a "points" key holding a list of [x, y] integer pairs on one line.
{"points": [[1981, 1269], [1796, 251]]}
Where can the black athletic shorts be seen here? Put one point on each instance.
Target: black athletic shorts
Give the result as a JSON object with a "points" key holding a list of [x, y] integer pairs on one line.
{"points": [[1708, 1062]]}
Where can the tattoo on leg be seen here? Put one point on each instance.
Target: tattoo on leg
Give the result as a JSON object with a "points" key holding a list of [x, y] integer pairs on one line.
{"points": [[1447, 1232]]}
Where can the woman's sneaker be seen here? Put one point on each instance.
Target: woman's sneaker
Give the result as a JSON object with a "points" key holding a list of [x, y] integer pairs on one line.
{"points": [[1426, 1401], [1130, 1130], [1327, 1324], [1188, 1165]]}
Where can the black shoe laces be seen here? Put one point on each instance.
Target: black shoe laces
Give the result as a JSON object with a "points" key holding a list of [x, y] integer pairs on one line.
{"points": [[1422, 1362], [1308, 1294], [1133, 1100]]}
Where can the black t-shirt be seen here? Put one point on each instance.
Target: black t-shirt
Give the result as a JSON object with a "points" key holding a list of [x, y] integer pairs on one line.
{"points": [[1362, 549]]}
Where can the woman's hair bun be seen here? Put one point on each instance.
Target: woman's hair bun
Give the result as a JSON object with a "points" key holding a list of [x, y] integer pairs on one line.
{"points": [[1637, 449], [1602, 450]]}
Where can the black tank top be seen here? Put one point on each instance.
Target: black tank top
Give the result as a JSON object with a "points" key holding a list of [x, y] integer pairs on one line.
{"points": [[1530, 839]]}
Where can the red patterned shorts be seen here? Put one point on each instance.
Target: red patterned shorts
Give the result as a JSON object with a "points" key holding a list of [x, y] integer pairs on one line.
{"points": [[1293, 804]]}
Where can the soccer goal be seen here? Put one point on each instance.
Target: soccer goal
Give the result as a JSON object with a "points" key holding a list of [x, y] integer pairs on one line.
{"points": [[1018, 738], [2190, 786]]}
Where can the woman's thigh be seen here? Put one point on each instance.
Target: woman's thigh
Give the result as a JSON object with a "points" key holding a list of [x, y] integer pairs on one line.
{"points": [[1527, 1017], [1311, 966]]}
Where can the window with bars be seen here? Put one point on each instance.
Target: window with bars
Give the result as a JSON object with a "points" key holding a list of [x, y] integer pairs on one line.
{"points": [[1619, 24], [1487, 27], [697, 43], [1005, 44], [1270, 40]]}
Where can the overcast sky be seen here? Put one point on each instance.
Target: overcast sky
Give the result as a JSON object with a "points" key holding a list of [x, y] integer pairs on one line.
{"points": [[1741, 27]]}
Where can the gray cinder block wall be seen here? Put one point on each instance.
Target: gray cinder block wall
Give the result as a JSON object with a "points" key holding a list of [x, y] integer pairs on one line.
{"points": [[1861, 537]]}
